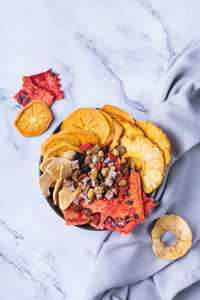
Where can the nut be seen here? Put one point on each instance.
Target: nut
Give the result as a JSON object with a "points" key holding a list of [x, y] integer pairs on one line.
{"points": [[115, 152], [123, 182], [78, 191], [88, 159], [123, 160], [99, 190], [113, 168], [75, 175], [114, 190], [93, 174], [84, 186], [80, 184], [96, 148], [88, 152], [91, 194], [100, 153], [104, 172], [92, 166]]}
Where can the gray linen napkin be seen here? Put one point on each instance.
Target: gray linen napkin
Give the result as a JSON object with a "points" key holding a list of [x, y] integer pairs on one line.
{"points": [[126, 267]]}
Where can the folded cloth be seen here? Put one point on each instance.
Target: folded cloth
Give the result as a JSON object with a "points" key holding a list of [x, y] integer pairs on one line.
{"points": [[126, 266]]}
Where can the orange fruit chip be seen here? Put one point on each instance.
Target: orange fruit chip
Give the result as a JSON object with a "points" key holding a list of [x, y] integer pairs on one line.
{"points": [[84, 136], [58, 149], [88, 119], [130, 129], [111, 125], [117, 113], [118, 132], [56, 139], [33, 119]]}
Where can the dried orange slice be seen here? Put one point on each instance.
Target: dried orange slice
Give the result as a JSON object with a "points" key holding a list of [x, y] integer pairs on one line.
{"points": [[33, 119], [88, 119]]}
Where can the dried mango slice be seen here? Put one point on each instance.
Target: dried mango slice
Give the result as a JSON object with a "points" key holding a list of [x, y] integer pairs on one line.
{"points": [[157, 136], [33, 119], [88, 119], [57, 150], [148, 157], [84, 136], [117, 113], [118, 132], [180, 228], [56, 139]]}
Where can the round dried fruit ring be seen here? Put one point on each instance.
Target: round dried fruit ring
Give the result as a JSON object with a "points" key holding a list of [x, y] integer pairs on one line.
{"points": [[180, 228], [33, 119]]}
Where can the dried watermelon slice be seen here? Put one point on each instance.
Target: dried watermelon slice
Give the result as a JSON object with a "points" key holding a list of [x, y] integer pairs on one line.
{"points": [[75, 218], [44, 86], [148, 203]]}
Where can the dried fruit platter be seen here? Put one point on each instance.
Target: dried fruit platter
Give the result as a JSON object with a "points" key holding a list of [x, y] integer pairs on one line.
{"points": [[99, 167]]}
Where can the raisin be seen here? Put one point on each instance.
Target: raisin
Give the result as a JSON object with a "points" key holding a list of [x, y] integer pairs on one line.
{"points": [[85, 169], [115, 196], [87, 212], [127, 194], [80, 157], [27, 99]]}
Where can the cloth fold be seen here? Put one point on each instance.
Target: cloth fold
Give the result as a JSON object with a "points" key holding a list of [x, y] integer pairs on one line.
{"points": [[127, 263]]}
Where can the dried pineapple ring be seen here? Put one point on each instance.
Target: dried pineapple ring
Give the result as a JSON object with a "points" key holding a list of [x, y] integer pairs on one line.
{"points": [[33, 119], [157, 136], [180, 228], [147, 156]]}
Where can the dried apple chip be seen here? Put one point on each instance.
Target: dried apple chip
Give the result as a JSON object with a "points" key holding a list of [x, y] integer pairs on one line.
{"points": [[180, 228], [56, 190]]}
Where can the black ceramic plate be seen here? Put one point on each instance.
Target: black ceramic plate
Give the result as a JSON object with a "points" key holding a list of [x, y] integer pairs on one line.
{"points": [[55, 207]]}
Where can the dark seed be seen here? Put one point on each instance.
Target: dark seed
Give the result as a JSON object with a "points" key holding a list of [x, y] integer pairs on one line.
{"points": [[112, 220], [113, 224], [121, 226], [129, 202], [20, 99], [27, 99], [127, 194], [119, 219], [52, 74], [136, 216], [126, 219], [87, 212], [116, 196]]}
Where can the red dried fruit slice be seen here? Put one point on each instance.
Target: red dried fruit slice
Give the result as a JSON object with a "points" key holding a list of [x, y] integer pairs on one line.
{"points": [[44, 86], [75, 218], [123, 227], [86, 146], [148, 203]]}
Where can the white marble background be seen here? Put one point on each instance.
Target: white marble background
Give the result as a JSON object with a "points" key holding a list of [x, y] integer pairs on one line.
{"points": [[105, 52]]}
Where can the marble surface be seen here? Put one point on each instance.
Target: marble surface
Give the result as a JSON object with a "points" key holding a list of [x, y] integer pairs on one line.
{"points": [[105, 52]]}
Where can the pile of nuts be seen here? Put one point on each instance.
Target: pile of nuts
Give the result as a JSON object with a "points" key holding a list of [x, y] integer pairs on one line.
{"points": [[99, 173]]}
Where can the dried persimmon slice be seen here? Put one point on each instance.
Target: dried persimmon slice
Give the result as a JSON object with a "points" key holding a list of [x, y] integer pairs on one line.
{"points": [[33, 119], [88, 119]]}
